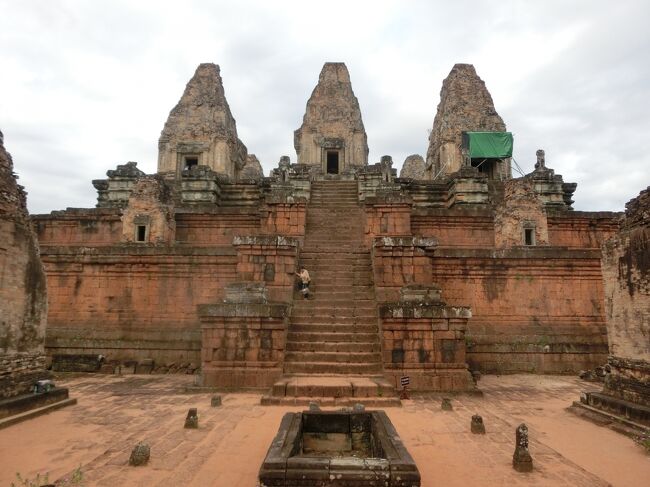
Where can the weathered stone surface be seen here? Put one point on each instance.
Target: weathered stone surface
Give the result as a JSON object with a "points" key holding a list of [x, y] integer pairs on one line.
{"points": [[465, 105], [520, 210], [414, 167], [23, 292], [149, 216], [626, 273], [201, 129], [333, 123], [446, 404], [140, 455], [215, 401], [252, 169], [114, 192]]}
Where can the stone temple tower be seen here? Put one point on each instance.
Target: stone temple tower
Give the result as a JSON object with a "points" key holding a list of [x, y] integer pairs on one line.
{"points": [[465, 105], [200, 129], [332, 135]]}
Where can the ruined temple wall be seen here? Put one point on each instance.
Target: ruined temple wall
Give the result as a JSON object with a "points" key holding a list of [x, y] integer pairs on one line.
{"points": [[581, 229], [23, 292], [533, 310], [626, 269], [133, 303], [210, 229], [93, 229], [474, 229]]}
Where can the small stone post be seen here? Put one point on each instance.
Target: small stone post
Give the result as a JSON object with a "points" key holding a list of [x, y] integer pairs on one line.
{"points": [[446, 404], [215, 401], [477, 426], [192, 419], [521, 460]]}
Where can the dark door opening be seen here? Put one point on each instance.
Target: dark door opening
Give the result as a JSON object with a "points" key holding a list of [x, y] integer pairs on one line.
{"points": [[332, 162]]}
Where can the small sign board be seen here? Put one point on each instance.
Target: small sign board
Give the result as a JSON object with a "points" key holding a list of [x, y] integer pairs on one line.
{"points": [[405, 380]]}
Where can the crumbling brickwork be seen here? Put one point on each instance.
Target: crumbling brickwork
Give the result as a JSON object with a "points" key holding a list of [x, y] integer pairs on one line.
{"points": [[23, 293], [626, 273], [332, 122], [465, 105], [520, 211], [149, 216]]}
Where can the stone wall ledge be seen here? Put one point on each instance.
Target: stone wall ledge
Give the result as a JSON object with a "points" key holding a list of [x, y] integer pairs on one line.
{"points": [[523, 252], [49, 251], [629, 363], [242, 310], [423, 310], [266, 240], [405, 241]]}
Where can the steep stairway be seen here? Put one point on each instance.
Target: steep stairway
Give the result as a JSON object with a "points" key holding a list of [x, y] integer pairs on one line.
{"points": [[333, 350]]}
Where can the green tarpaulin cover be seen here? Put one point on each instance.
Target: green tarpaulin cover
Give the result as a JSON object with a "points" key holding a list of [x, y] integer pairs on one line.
{"points": [[488, 145]]}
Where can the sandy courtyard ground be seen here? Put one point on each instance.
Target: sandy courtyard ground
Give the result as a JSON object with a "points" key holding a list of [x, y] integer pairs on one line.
{"points": [[115, 413]]}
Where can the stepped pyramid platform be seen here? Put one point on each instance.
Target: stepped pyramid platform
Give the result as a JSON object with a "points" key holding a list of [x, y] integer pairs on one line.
{"points": [[333, 349]]}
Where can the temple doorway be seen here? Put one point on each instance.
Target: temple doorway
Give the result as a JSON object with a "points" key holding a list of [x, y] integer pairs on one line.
{"points": [[332, 162]]}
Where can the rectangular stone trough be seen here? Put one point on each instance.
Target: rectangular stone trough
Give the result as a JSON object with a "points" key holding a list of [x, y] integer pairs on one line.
{"points": [[338, 448]]}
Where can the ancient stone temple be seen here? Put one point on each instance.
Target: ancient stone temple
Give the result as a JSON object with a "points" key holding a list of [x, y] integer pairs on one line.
{"points": [[192, 269], [332, 136], [23, 293]]}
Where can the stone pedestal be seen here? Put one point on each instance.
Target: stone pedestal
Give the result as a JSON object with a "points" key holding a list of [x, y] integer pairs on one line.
{"points": [[243, 343]]}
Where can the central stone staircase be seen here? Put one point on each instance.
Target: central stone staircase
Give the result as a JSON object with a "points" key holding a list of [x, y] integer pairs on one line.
{"points": [[333, 350]]}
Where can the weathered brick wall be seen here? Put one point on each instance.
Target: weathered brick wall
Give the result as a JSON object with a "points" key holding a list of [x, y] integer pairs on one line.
{"points": [[462, 227], [19, 371], [217, 227], [268, 259], [284, 219], [92, 227], [581, 229], [150, 205], [23, 294], [520, 209], [426, 343], [533, 309], [243, 344], [389, 219], [131, 301]]}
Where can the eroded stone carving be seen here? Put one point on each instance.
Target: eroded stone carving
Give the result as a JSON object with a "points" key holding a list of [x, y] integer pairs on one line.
{"points": [[521, 459]]}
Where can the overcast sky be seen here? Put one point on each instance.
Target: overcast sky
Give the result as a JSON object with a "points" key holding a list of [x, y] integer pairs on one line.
{"points": [[87, 85]]}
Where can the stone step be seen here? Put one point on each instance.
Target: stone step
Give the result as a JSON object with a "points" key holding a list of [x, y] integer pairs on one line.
{"points": [[333, 327], [333, 313], [333, 386], [329, 337], [339, 320], [332, 347], [374, 402], [330, 368], [327, 307], [333, 357]]}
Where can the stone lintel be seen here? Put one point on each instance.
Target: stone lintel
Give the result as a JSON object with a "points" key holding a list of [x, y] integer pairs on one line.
{"points": [[242, 310], [422, 242], [423, 310], [265, 240]]}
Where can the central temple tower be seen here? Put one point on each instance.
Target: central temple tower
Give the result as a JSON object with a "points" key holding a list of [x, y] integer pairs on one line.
{"points": [[332, 135]]}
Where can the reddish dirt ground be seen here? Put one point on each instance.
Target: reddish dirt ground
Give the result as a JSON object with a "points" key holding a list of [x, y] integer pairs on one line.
{"points": [[114, 413]]}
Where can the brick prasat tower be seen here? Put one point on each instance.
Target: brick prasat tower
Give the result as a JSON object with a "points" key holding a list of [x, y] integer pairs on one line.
{"points": [[454, 267]]}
